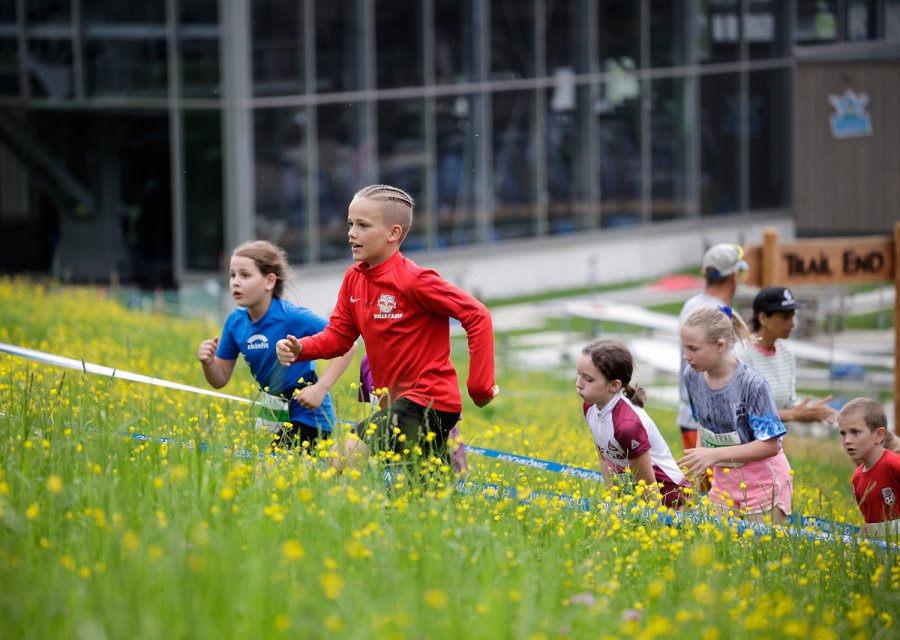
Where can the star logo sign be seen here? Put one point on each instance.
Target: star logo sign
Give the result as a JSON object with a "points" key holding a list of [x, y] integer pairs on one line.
{"points": [[850, 119]]}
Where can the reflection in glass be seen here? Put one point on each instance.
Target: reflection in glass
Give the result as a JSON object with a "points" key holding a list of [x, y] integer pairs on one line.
{"points": [[566, 36], [455, 170], [669, 33], [768, 128], [45, 11], [670, 144], [402, 160], [279, 138], [277, 33], [617, 112], [719, 30], [720, 143], [126, 67], [453, 29], [203, 205], [198, 12], [49, 66], [515, 200], [342, 158], [512, 39], [338, 46], [816, 21], [116, 11], [9, 67], [200, 67], [619, 34], [766, 29], [569, 207], [398, 44]]}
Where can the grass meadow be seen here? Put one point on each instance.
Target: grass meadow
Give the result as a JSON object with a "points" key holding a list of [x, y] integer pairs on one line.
{"points": [[103, 535]]}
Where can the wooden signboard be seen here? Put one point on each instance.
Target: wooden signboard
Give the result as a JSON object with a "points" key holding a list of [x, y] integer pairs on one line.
{"points": [[832, 261]]}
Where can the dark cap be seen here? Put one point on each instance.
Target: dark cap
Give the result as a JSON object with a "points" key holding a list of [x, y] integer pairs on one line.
{"points": [[772, 299]]}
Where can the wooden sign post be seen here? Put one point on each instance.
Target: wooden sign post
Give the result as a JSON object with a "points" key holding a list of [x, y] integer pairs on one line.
{"points": [[829, 261]]}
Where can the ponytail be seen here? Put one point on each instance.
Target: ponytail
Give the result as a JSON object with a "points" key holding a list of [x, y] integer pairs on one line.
{"points": [[636, 394]]}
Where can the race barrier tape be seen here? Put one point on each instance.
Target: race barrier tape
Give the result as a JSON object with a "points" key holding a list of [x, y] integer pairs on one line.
{"points": [[824, 529], [87, 367]]}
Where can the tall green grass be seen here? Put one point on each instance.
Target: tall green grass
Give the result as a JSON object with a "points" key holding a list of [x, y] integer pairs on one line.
{"points": [[106, 536]]}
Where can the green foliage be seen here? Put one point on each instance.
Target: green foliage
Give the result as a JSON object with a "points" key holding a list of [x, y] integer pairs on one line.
{"points": [[107, 534]]}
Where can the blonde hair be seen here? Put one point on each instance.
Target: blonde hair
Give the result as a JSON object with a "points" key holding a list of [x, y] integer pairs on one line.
{"points": [[614, 361], [719, 323], [398, 205], [268, 258], [874, 416]]}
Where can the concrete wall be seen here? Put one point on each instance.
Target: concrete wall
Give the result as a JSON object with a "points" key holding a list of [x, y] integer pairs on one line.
{"points": [[602, 257]]}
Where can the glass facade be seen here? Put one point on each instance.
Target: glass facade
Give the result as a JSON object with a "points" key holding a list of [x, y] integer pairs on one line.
{"points": [[505, 119]]}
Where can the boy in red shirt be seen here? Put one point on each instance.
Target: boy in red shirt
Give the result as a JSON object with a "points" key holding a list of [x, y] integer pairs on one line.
{"points": [[403, 313], [862, 424]]}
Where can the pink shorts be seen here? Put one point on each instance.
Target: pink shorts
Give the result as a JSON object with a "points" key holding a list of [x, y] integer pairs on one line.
{"points": [[767, 484]]}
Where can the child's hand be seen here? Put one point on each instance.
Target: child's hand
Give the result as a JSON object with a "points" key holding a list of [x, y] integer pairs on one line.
{"points": [[288, 350], [495, 391], [207, 351], [698, 460], [310, 397]]}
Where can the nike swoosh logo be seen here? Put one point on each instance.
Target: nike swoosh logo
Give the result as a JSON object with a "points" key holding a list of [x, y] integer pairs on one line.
{"points": [[352, 299]]}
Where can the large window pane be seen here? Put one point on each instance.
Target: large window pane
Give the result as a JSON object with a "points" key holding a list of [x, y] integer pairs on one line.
{"points": [[9, 67], [126, 67], [618, 115], [203, 191], [671, 132], [515, 198], [455, 175], [198, 12], [766, 29], [669, 41], [49, 64], [279, 137], [566, 35], [453, 46], [512, 39], [342, 169], [402, 159], [569, 206], [769, 133], [45, 11], [720, 143], [719, 30], [277, 32], [398, 43], [200, 67], [619, 34], [116, 11], [338, 46]]}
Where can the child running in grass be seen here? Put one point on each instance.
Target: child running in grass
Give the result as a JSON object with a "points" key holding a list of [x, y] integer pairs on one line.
{"points": [[740, 431], [403, 313], [454, 442], [257, 276], [862, 424], [625, 435]]}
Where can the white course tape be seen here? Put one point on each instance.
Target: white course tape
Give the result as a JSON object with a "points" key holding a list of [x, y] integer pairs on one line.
{"points": [[87, 367]]}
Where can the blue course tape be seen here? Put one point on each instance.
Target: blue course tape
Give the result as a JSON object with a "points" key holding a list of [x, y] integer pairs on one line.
{"points": [[823, 529]]}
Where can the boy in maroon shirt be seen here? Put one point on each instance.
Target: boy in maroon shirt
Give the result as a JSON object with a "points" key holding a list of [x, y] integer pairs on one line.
{"points": [[403, 313]]}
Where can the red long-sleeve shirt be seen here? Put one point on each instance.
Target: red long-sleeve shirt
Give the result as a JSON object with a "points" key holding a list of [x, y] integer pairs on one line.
{"points": [[402, 312]]}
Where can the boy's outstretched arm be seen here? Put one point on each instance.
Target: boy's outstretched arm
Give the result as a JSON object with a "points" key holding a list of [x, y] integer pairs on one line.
{"points": [[475, 318]]}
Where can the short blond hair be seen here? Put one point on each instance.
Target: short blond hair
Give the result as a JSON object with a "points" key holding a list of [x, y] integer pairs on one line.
{"points": [[397, 207]]}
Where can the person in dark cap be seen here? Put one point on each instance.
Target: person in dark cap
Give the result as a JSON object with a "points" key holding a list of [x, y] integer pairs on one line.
{"points": [[769, 353]]}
